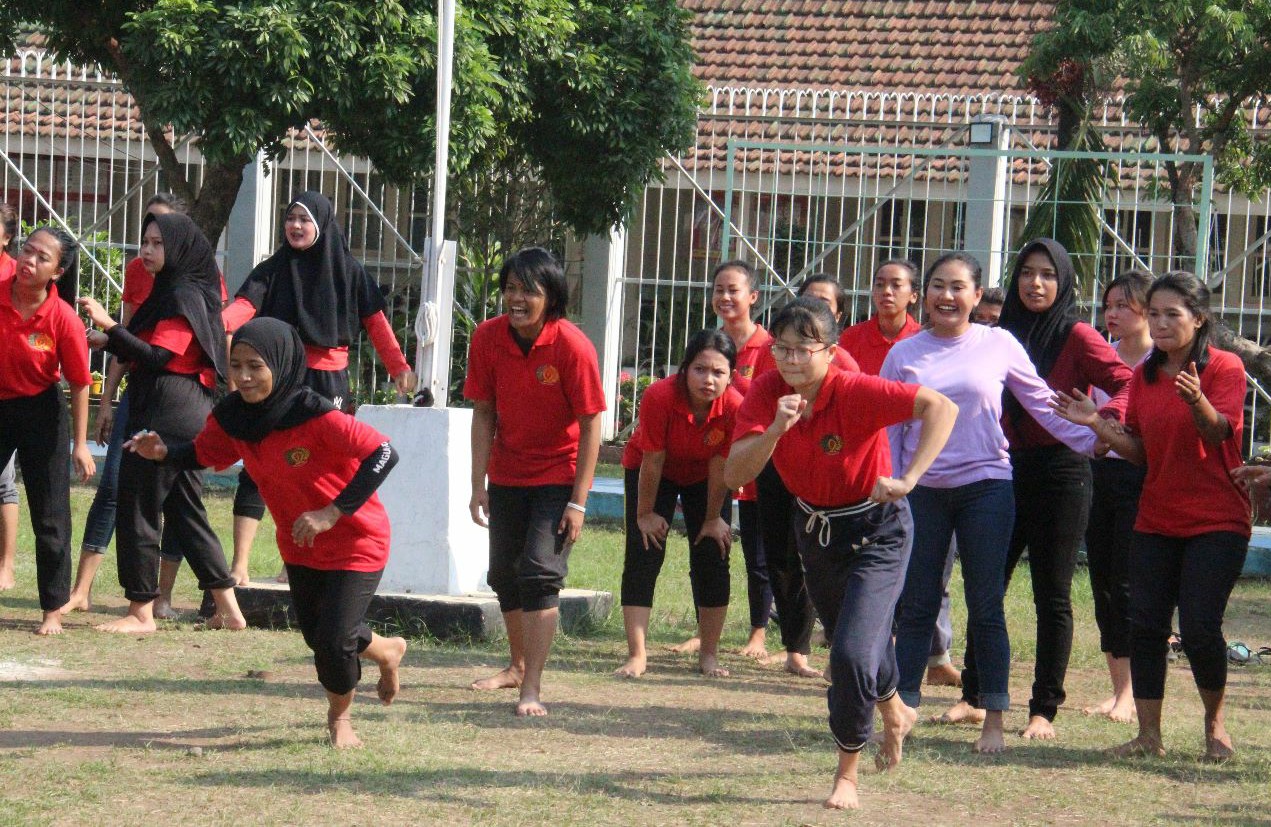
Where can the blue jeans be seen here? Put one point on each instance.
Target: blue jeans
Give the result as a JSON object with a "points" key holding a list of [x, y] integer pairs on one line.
{"points": [[981, 515], [99, 526]]}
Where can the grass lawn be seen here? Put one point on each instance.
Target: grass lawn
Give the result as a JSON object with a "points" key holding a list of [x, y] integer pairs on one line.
{"points": [[169, 728]]}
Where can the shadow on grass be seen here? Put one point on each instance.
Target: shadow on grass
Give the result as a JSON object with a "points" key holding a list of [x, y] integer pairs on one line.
{"points": [[466, 786], [179, 740]]}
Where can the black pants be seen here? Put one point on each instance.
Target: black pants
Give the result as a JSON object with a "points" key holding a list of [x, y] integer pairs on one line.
{"points": [[785, 572], [1114, 505], [707, 568], [153, 495], [758, 588], [332, 384], [331, 609], [855, 572], [1196, 574], [529, 558], [1052, 507], [37, 429]]}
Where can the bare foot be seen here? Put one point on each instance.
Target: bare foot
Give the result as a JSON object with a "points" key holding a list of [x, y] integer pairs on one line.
{"points": [[281, 577], [688, 647], [1218, 746], [7, 580], [78, 603], [709, 666], [960, 713], [230, 623], [390, 682], [843, 796], [128, 625], [529, 706], [756, 646], [944, 675], [1144, 745], [991, 741], [633, 668], [1101, 708], [509, 678], [1038, 729], [342, 734], [797, 664], [163, 610], [52, 624], [1120, 711], [241, 577], [894, 731]]}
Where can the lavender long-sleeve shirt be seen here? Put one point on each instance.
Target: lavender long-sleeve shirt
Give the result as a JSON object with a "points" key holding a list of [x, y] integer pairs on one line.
{"points": [[972, 370]]}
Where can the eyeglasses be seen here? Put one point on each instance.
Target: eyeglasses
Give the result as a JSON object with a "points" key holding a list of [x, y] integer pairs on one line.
{"points": [[795, 354]]}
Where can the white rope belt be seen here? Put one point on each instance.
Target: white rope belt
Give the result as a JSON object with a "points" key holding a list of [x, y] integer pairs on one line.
{"points": [[819, 519]]}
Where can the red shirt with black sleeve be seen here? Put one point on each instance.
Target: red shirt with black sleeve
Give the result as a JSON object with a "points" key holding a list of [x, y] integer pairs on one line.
{"points": [[36, 352], [304, 469], [1189, 490], [537, 398], [867, 344], [667, 424], [836, 455], [138, 282], [175, 335], [1087, 360]]}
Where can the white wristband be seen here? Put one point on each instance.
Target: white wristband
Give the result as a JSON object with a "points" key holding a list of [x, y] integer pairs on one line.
{"points": [[576, 507]]}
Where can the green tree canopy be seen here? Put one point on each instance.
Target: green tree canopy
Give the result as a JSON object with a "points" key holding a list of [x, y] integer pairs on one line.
{"points": [[591, 93]]}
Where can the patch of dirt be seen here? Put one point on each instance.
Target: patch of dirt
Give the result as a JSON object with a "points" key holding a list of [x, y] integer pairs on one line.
{"points": [[37, 670]]}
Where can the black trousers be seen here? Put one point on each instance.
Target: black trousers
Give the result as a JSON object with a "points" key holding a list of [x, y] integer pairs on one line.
{"points": [[707, 568], [37, 429], [334, 385], [1114, 505], [1196, 574], [785, 571], [758, 589], [331, 610], [529, 558], [1052, 507], [153, 495]]}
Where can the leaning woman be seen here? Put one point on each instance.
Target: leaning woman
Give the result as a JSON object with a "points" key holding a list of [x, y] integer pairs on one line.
{"points": [[320, 469], [823, 428], [1184, 420]]}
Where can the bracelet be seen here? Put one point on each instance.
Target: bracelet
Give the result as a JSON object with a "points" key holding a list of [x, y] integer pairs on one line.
{"points": [[576, 507]]}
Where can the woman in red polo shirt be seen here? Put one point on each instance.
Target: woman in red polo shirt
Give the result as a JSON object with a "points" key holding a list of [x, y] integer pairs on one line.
{"points": [[313, 283], [1185, 416], [535, 387], [176, 348], [823, 429], [894, 291], [8, 479], [733, 294], [677, 453], [321, 469], [42, 339]]}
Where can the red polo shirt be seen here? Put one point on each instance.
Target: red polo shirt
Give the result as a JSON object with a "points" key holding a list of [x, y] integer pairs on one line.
{"points": [[35, 352], [748, 358], [8, 266], [377, 329], [835, 456], [175, 335], [667, 424], [538, 399], [304, 469], [868, 345], [1188, 490]]}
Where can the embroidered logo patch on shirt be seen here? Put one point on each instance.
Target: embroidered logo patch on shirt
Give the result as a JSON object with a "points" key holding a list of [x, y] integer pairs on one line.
{"points": [[713, 437], [746, 371], [40, 341], [547, 375], [297, 457], [831, 444]]}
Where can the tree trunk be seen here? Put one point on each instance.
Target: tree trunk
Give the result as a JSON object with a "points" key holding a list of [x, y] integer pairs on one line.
{"points": [[221, 182]]}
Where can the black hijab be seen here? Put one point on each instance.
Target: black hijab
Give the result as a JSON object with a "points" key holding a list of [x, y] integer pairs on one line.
{"points": [[290, 403], [188, 285], [1043, 334], [322, 290]]}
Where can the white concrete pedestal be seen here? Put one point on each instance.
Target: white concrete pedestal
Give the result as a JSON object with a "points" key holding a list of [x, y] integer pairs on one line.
{"points": [[437, 549]]}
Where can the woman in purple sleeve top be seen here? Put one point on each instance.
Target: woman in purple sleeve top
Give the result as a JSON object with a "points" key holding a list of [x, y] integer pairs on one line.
{"points": [[967, 491]]}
